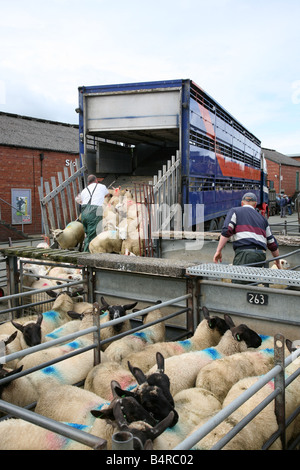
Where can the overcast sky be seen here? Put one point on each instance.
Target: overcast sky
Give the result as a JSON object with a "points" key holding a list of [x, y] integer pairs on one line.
{"points": [[244, 53]]}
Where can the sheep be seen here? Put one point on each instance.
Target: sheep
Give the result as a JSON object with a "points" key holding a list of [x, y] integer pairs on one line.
{"points": [[24, 390], [110, 220], [284, 264], [220, 375], [260, 428], [68, 403], [83, 319], [194, 407], [34, 328], [208, 333], [112, 312], [121, 348], [76, 405], [16, 434], [70, 237], [142, 432], [41, 296], [8, 345], [183, 369], [151, 391], [106, 242], [257, 432], [98, 379]]}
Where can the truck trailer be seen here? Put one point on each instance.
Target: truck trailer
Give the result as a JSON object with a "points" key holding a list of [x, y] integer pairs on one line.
{"points": [[129, 132]]}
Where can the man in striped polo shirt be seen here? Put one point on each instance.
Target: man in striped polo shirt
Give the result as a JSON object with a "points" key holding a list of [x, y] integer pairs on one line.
{"points": [[250, 233]]}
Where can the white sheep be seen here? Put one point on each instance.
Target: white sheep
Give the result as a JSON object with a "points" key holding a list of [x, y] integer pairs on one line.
{"points": [[194, 407], [70, 237], [76, 405], [183, 369], [41, 296], [68, 403], [106, 242], [121, 348], [17, 434], [284, 264], [99, 378], [220, 375], [110, 220], [25, 390], [81, 311], [9, 344], [208, 333], [262, 426]]}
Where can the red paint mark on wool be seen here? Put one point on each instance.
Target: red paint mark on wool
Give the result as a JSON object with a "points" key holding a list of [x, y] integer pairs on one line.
{"points": [[55, 441]]}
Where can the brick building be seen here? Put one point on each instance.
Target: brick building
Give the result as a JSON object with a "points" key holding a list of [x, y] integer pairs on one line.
{"points": [[30, 149], [283, 172]]}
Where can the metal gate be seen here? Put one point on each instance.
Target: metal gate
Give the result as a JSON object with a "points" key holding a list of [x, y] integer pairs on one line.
{"points": [[58, 205]]}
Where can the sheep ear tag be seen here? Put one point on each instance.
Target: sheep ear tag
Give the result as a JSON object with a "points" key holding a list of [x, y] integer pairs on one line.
{"points": [[238, 337]]}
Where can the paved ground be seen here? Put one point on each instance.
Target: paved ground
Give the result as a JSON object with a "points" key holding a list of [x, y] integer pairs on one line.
{"points": [[290, 223]]}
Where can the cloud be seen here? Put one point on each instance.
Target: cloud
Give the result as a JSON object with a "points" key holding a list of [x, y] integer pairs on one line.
{"points": [[244, 54]]}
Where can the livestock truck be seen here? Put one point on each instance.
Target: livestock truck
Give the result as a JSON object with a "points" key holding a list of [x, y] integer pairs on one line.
{"points": [[129, 132]]}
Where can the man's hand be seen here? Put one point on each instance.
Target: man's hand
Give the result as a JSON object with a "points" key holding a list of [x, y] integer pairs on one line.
{"points": [[218, 257], [277, 261]]}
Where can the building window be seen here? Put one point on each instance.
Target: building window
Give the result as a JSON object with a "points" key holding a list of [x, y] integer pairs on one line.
{"points": [[297, 180]]}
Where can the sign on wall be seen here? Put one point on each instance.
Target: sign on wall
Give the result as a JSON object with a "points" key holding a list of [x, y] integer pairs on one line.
{"points": [[21, 206]]}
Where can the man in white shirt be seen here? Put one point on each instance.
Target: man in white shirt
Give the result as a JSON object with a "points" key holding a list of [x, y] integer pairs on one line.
{"points": [[91, 198]]}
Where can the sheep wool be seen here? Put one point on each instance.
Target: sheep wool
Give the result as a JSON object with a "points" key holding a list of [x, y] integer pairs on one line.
{"points": [[204, 337], [183, 370], [194, 407], [99, 378], [219, 376], [121, 348], [68, 403]]}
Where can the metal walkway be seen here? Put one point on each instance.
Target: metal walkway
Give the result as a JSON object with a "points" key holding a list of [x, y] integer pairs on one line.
{"points": [[245, 273]]}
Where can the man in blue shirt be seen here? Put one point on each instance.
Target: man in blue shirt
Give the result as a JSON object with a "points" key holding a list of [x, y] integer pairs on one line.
{"points": [[250, 233]]}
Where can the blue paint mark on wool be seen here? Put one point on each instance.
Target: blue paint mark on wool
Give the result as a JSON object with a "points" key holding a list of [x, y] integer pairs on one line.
{"points": [[99, 407], [141, 335], [268, 350], [54, 335], [51, 370], [74, 344], [50, 315], [265, 337], [213, 353], [186, 344], [81, 427]]}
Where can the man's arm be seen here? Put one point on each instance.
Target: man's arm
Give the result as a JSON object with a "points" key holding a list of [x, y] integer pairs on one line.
{"points": [[218, 254]]}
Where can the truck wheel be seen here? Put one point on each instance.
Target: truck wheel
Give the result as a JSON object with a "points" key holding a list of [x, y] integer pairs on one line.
{"points": [[213, 225], [220, 223]]}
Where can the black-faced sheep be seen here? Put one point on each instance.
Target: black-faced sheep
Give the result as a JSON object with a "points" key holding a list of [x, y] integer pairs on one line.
{"points": [[183, 369], [113, 312], [121, 348], [208, 333], [152, 390]]}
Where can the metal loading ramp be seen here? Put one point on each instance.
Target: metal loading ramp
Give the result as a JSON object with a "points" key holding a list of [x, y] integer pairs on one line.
{"points": [[246, 273]]}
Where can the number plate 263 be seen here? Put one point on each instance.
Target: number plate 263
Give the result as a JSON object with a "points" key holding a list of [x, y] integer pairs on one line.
{"points": [[257, 299]]}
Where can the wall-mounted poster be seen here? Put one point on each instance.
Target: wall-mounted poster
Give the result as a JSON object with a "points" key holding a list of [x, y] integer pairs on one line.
{"points": [[21, 206]]}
